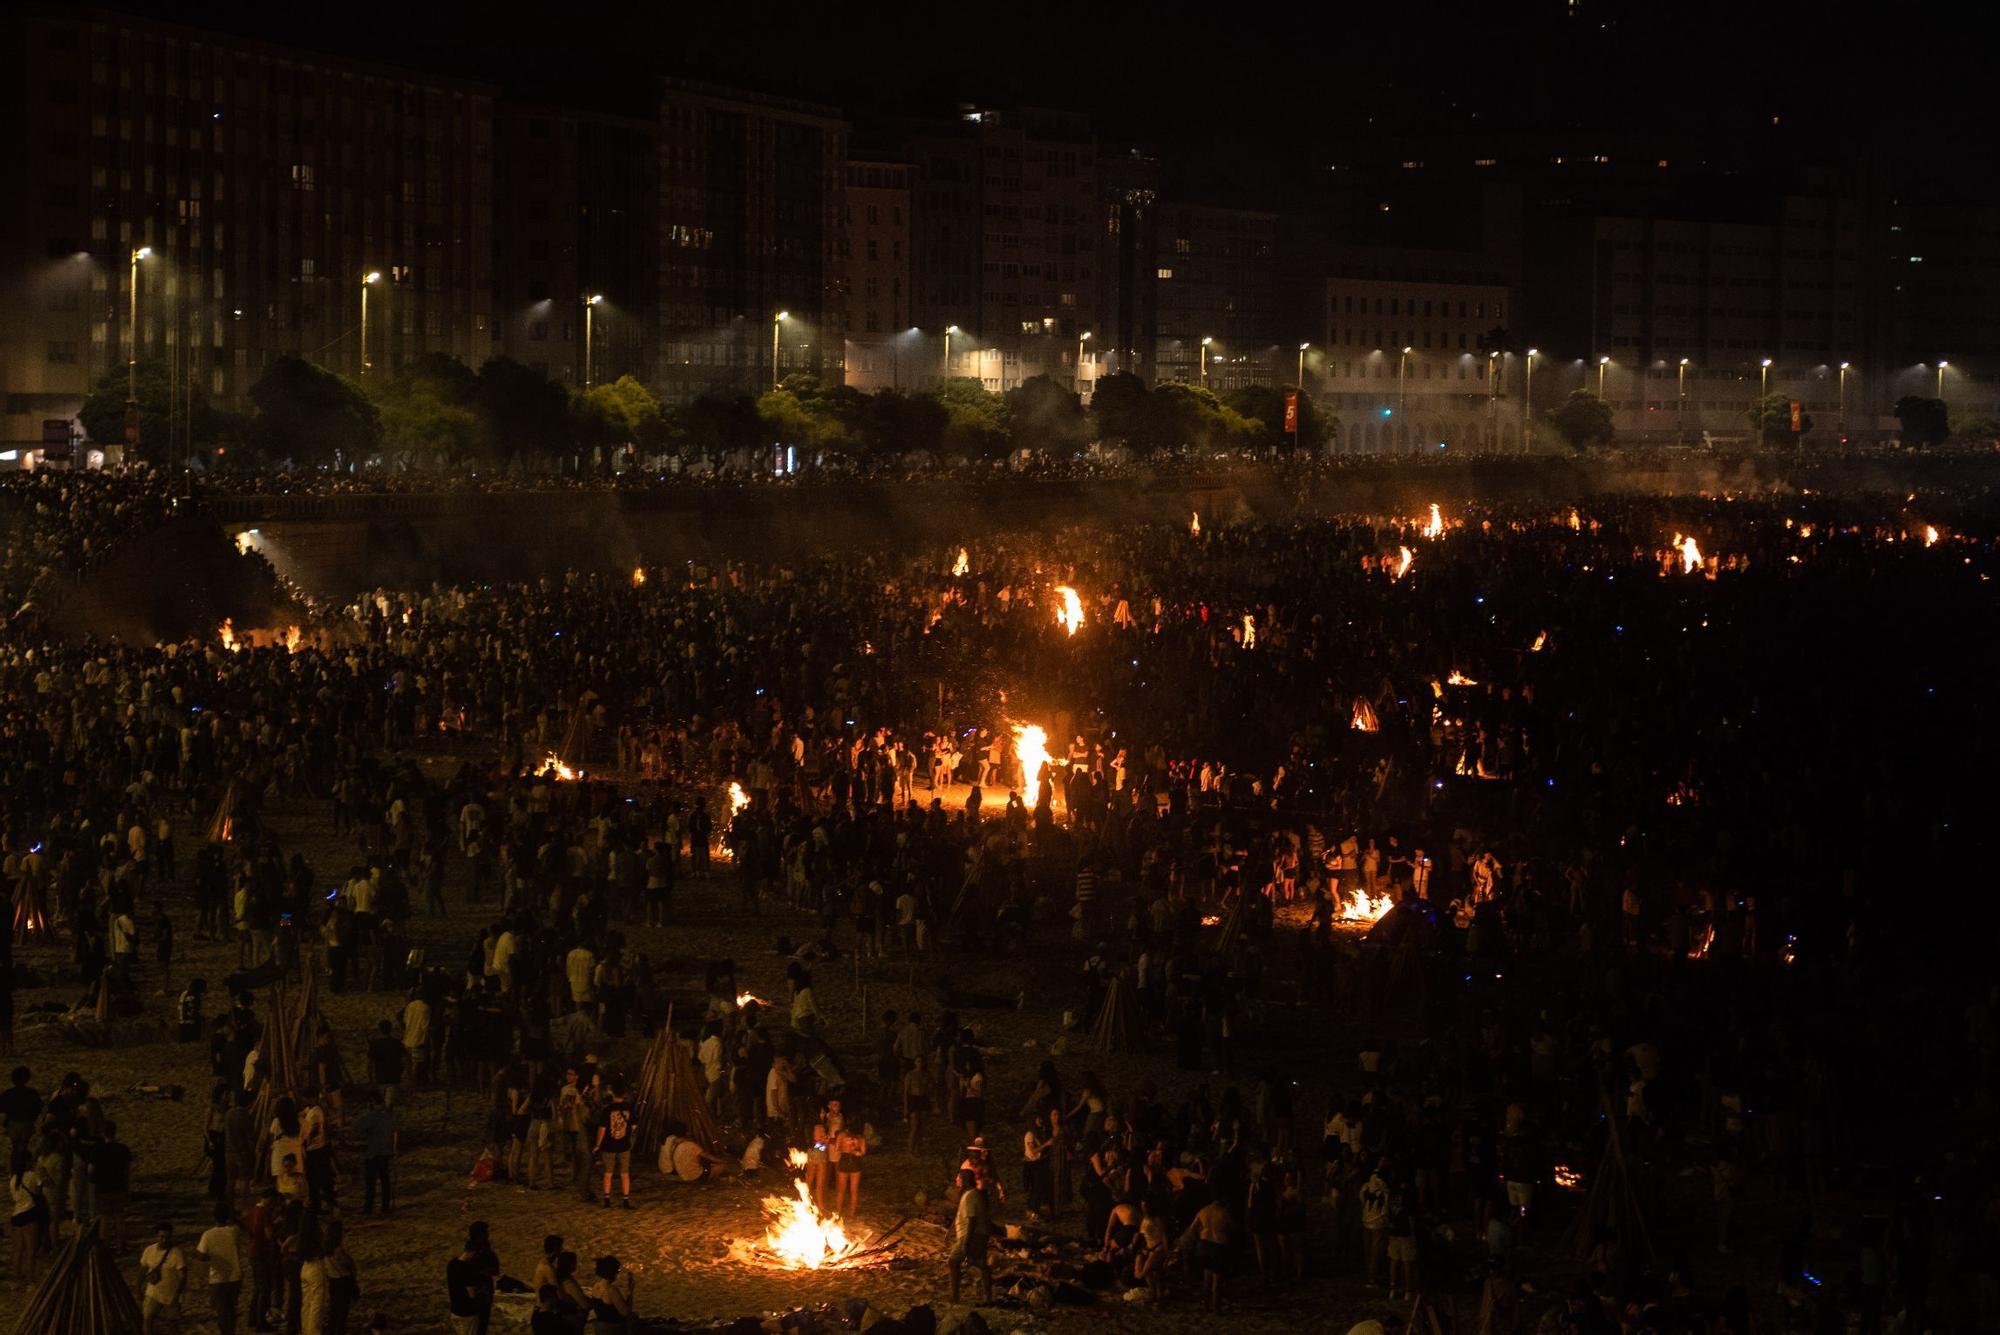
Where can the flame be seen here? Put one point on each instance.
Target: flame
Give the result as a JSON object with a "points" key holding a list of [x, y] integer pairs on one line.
{"points": [[1930, 535], [1363, 719], [1404, 556], [1458, 678], [963, 564], [1194, 524], [228, 633], [1699, 950], [1435, 528], [796, 1159], [1210, 920], [1070, 615], [1541, 638], [748, 998], [798, 1236], [228, 828], [738, 799], [1249, 631], [1365, 909], [1031, 748], [292, 639], [1690, 553], [1566, 1178], [1575, 521], [638, 576], [553, 768]]}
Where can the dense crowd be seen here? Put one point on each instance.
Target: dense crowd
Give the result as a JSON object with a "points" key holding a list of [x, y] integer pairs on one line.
{"points": [[1635, 835]]}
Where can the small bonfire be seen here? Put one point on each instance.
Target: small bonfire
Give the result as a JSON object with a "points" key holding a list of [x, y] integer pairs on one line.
{"points": [[798, 1236]]}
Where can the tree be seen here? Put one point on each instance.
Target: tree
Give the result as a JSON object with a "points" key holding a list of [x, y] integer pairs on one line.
{"points": [[1925, 421], [1771, 418], [103, 411], [623, 412], [975, 420], [523, 411], [804, 412], [1122, 407], [312, 416], [1264, 405], [1982, 430], [1583, 419], [896, 423], [1044, 416], [430, 412], [725, 423]]}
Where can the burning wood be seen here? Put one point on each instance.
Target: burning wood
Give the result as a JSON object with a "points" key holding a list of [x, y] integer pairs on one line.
{"points": [[1031, 748], [1434, 527], [1363, 718], [1690, 554], [1363, 908], [1404, 558], [1930, 535], [1575, 521], [638, 576], [1070, 615], [552, 767], [228, 634], [752, 999], [738, 799], [292, 639], [963, 565], [1458, 678], [1211, 920], [1541, 638], [795, 1159], [798, 1237], [1566, 1178], [1249, 631], [1194, 524]]}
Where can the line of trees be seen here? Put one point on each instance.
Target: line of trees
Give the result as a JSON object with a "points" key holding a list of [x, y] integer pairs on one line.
{"points": [[440, 413]]}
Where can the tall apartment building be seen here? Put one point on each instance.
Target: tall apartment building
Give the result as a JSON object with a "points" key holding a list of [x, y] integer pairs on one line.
{"points": [[1216, 277], [1128, 262], [884, 348], [576, 210], [751, 219], [262, 182], [1005, 222]]}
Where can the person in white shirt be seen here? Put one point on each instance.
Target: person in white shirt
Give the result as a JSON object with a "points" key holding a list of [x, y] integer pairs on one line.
{"points": [[221, 1249], [163, 1274]]}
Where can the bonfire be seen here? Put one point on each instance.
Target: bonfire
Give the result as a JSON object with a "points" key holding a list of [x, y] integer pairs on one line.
{"points": [[1194, 524], [1364, 908], [963, 565], [638, 576], [1404, 558], [1458, 678], [552, 767], [1249, 631], [293, 637], [1930, 535], [1363, 718], [1434, 527], [228, 634], [1070, 615], [1690, 554], [750, 999], [798, 1237], [1031, 748], [1541, 638], [738, 799]]}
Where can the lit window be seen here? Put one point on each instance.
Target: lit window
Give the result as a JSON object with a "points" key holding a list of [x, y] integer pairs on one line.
{"points": [[1164, 273], [1485, 162]]}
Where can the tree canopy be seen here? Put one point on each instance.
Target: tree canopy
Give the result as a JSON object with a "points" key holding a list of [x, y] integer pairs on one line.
{"points": [[1583, 419], [312, 416]]}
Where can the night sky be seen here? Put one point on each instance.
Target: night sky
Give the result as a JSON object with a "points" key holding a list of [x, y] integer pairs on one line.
{"points": [[1236, 100]]}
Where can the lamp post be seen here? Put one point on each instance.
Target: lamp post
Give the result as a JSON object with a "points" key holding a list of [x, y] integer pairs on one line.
{"points": [[1940, 381], [1843, 403], [1528, 400], [777, 322], [1763, 382], [132, 351], [1602, 362], [1493, 397], [1081, 339], [590, 304], [1681, 403], [1302, 366], [1401, 361], [1201, 368], [949, 330], [368, 280]]}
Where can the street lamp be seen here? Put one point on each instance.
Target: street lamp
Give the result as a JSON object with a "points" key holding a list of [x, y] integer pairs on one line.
{"points": [[1843, 403], [777, 321], [1939, 396], [367, 280], [1681, 402], [949, 330], [1493, 398], [1528, 399], [1201, 369], [1302, 366], [590, 305], [1081, 339], [1763, 381], [132, 351], [1602, 362], [1401, 361]]}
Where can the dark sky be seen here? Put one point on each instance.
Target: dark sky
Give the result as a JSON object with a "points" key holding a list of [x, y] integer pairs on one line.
{"points": [[1234, 97]]}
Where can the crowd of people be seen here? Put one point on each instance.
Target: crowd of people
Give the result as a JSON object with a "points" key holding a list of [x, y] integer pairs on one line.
{"points": [[1630, 834]]}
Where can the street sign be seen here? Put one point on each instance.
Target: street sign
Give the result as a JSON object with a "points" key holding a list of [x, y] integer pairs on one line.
{"points": [[1796, 428]]}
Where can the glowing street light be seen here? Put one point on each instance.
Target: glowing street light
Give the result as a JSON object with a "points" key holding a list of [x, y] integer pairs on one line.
{"points": [[367, 280], [1681, 403], [949, 330], [1528, 398], [1401, 361], [777, 322], [1763, 382], [1602, 362], [1939, 396], [132, 351], [1843, 401], [1081, 339], [590, 305], [1302, 366], [1201, 370]]}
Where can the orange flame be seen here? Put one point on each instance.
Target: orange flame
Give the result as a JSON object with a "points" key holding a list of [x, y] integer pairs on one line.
{"points": [[1031, 748], [1404, 558], [738, 799], [748, 998], [1690, 553], [1434, 528], [292, 639], [1363, 718], [1566, 1178], [1366, 909], [638, 576], [1070, 615], [552, 767], [1194, 524], [1249, 631], [798, 1236], [228, 633], [1541, 638], [1458, 678], [962, 564], [1930, 535], [795, 1159]]}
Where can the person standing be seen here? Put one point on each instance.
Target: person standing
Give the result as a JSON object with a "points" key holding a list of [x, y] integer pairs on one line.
{"points": [[222, 1250], [377, 1128], [318, 1154], [343, 1282], [260, 1234], [27, 1222], [111, 1184], [970, 1230], [385, 1062], [163, 1274], [614, 1146], [1375, 1220]]}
